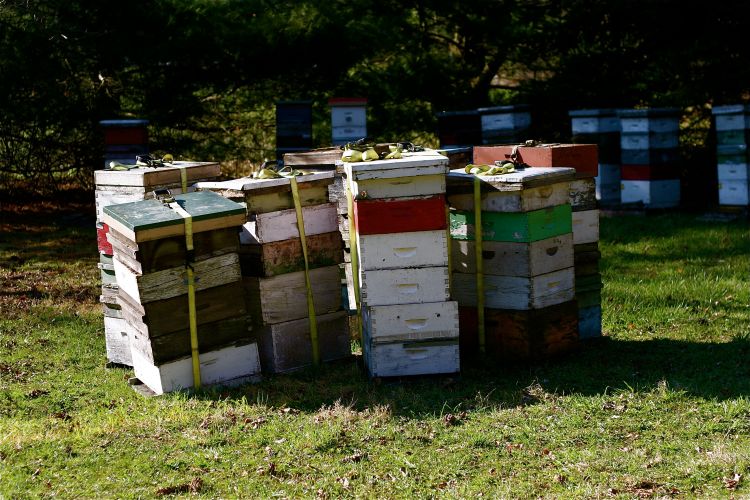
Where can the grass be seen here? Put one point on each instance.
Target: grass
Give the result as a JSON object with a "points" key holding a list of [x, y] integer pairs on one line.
{"points": [[657, 408]]}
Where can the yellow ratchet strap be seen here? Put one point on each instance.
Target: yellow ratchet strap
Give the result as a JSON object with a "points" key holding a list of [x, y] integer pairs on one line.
{"points": [[310, 303], [190, 249], [354, 254], [478, 255]]}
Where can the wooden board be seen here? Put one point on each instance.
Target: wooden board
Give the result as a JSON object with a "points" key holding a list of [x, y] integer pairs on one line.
{"points": [[286, 347], [111, 310], [515, 259], [526, 200], [655, 194], [523, 178], [147, 177], [513, 292], [284, 297], [175, 345], [232, 364], [649, 140], [107, 275], [104, 246], [282, 257], [150, 219], [165, 253], [585, 227], [400, 215], [429, 163], [404, 286], [734, 192], [733, 172], [645, 120], [403, 250], [521, 336], [168, 283], [590, 322], [116, 341], [282, 225], [171, 315], [582, 157], [405, 359], [582, 194], [519, 227], [399, 187], [324, 157], [410, 322]]}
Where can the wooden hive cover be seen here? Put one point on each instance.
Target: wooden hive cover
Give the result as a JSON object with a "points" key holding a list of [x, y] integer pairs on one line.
{"points": [[460, 181], [425, 163], [249, 185], [148, 177], [151, 219]]}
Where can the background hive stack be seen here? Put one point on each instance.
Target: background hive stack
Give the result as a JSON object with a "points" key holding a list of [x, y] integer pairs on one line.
{"points": [[650, 173], [505, 124], [124, 186], [150, 260], [527, 261], [583, 158], [732, 138], [273, 268], [601, 127], [409, 325]]}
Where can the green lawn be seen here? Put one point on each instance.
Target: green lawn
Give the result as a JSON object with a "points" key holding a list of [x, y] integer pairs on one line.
{"points": [[659, 407]]}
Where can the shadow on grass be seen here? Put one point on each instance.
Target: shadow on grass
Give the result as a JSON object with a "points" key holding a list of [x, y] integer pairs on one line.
{"points": [[601, 367]]}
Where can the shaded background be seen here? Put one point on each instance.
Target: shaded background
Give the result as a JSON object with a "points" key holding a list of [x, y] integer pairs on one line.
{"points": [[208, 73]]}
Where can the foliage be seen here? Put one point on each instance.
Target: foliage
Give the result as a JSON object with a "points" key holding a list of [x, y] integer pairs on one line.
{"points": [[207, 73]]}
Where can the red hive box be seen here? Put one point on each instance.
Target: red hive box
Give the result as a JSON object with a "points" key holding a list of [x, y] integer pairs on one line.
{"points": [[583, 157]]}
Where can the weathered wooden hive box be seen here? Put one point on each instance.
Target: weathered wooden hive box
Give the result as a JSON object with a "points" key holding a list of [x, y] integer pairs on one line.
{"points": [[273, 268], [150, 259], [124, 186], [732, 139], [527, 261], [410, 326], [585, 215]]}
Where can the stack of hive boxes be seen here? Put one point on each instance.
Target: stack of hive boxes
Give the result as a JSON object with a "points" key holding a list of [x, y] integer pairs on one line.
{"points": [[505, 124], [151, 261], [732, 136], [409, 325], [527, 262], [273, 268], [601, 127], [124, 186], [585, 217], [649, 141], [123, 140]]}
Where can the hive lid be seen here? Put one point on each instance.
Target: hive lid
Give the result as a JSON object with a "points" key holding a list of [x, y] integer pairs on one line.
{"points": [[526, 178], [583, 113], [649, 112], [148, 176], [732, 109], [246, 184], [151, 219]]}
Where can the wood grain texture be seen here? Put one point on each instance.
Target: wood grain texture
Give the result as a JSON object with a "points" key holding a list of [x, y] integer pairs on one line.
{"points": [[512, 292], [404, 286], [522, 336], [116, 341], [168, 283], [585, 227], [156, 255], [230, 365], [408, 322], [282, 257], [403, 250], [429, 163], [148, 177], [525, 200], [399, 187], [411, 358], [284, 297], [175, 345], [515, 227], [282, 225], [582, 157], [286, 347], [515, 259], [400, 215], [170, 315]]}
